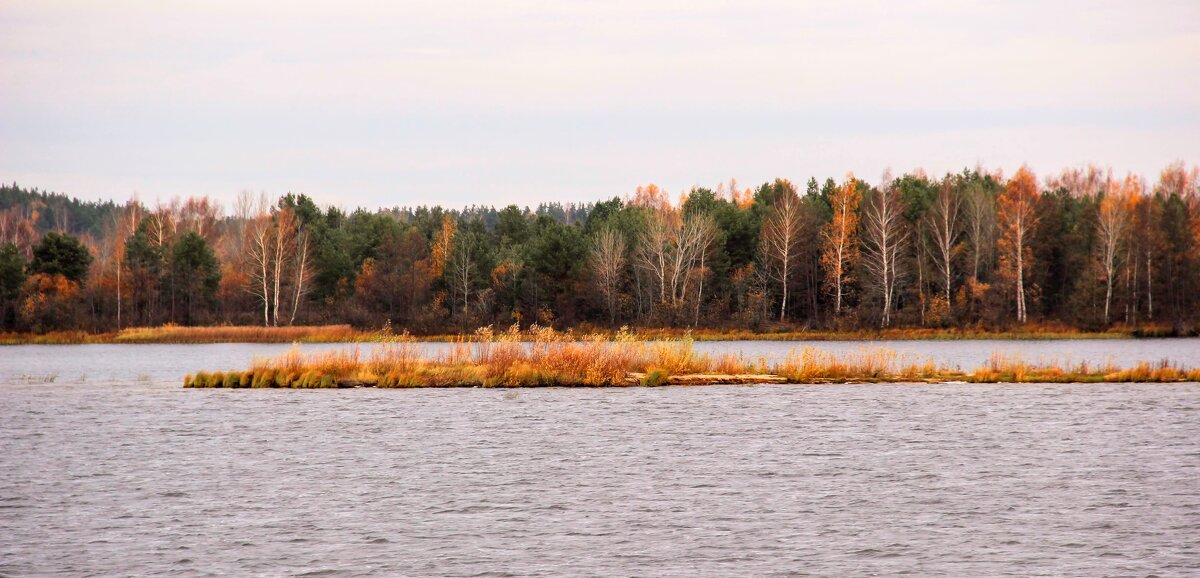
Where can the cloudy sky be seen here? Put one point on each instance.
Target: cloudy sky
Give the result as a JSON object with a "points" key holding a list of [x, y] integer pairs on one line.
{"points": [[397, 103]]}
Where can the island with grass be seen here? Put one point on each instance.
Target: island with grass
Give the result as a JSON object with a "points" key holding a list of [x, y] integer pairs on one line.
{"points": [[543, 357]]}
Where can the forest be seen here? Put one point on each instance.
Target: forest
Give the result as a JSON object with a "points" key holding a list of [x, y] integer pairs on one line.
{"points": [[1082, 248]]}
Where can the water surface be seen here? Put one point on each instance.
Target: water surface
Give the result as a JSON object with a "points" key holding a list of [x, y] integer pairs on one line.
{"points": [[163, 363], [114, 469]]}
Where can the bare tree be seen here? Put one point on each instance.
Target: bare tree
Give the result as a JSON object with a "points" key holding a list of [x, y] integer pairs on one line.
{"points": [[943, 222], [287, 225], [303, 271], [980, 211], [200, 215], [706, 233], [461, 268], [275, 256], [607, 263], [163, 223], [883, 237], [780, 240], [669, 249], [259, 253], [655, 248]]}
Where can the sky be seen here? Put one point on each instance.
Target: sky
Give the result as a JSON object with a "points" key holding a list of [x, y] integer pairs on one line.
{"points": [[519, 102]]}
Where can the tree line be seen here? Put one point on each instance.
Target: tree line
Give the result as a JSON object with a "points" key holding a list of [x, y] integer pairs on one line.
{"points": [[1081, 247]]}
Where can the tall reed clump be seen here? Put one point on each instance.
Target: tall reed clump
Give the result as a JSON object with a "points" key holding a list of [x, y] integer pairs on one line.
{"points": [[1006, 368], [543, 357], [1163, 371], [539, 357], [808, 364]]}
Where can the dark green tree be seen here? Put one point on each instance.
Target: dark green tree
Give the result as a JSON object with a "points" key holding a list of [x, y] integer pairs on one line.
{"points": [[195, 274], [12, 277], [513, 226], [59, 254], [556, 257], [144, 264]]}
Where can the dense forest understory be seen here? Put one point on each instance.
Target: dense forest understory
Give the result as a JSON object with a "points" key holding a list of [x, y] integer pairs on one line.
{"points": [[960, 255]]}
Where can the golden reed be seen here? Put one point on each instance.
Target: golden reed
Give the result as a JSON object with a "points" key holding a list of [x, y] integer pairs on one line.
{"points": [[544, 357]]}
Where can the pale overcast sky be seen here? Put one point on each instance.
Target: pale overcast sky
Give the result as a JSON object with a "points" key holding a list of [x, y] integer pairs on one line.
{"points": [[397, 103]]}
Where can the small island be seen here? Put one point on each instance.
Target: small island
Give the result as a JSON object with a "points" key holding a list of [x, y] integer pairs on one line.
{"points": [[543, 357]]}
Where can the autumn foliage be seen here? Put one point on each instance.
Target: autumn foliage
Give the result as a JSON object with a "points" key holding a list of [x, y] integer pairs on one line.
{"points": [[964, 253]]}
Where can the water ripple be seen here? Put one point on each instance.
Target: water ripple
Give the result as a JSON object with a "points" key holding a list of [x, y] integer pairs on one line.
{"points": [[146, 479]]}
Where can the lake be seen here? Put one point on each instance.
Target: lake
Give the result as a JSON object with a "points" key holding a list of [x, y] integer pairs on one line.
{"points": [[109, 467]]}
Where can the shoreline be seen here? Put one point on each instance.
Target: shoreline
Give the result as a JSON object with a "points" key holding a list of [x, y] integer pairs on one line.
{"points": [[310, 380], [547, 358], [345, 334]]}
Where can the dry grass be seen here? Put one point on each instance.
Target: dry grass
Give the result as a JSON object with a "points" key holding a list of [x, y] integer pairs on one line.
{"points": [[1028, 331], [51, 338], [345, 333], [212, 334], [238, 334], [868, 364], [544, 357], [1002, 369], [539, 357]]}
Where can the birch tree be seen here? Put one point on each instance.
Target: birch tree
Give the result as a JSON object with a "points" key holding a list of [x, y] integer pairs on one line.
{"points": [[980, 212], [656, 247], [883, 238], [1017, 218], [121, 225], [943, 224], [303, 272], [839, 239], [780, 243], [1112, 223], [670, 247], [259, 255], [461, 268], [705, 233], [286, 227], [607, 264]]}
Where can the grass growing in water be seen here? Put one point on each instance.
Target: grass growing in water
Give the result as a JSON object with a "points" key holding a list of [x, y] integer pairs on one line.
{"points": [[544, 357]]}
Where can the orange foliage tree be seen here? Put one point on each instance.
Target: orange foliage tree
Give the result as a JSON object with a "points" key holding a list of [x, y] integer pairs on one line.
{"points": [[1112, 224], [839, 239], [49, 302], [1017, 219]]}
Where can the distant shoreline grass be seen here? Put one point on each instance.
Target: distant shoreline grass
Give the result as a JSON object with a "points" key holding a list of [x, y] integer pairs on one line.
{"points": [[545, 358], [174, 334]]}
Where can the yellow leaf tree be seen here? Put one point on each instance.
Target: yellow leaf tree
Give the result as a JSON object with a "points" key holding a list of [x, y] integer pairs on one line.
{"points": [[839, 240], [1017, 218]]}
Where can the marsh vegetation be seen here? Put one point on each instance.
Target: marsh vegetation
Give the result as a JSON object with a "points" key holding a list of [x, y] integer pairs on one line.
{"points": [[544, 357]]}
